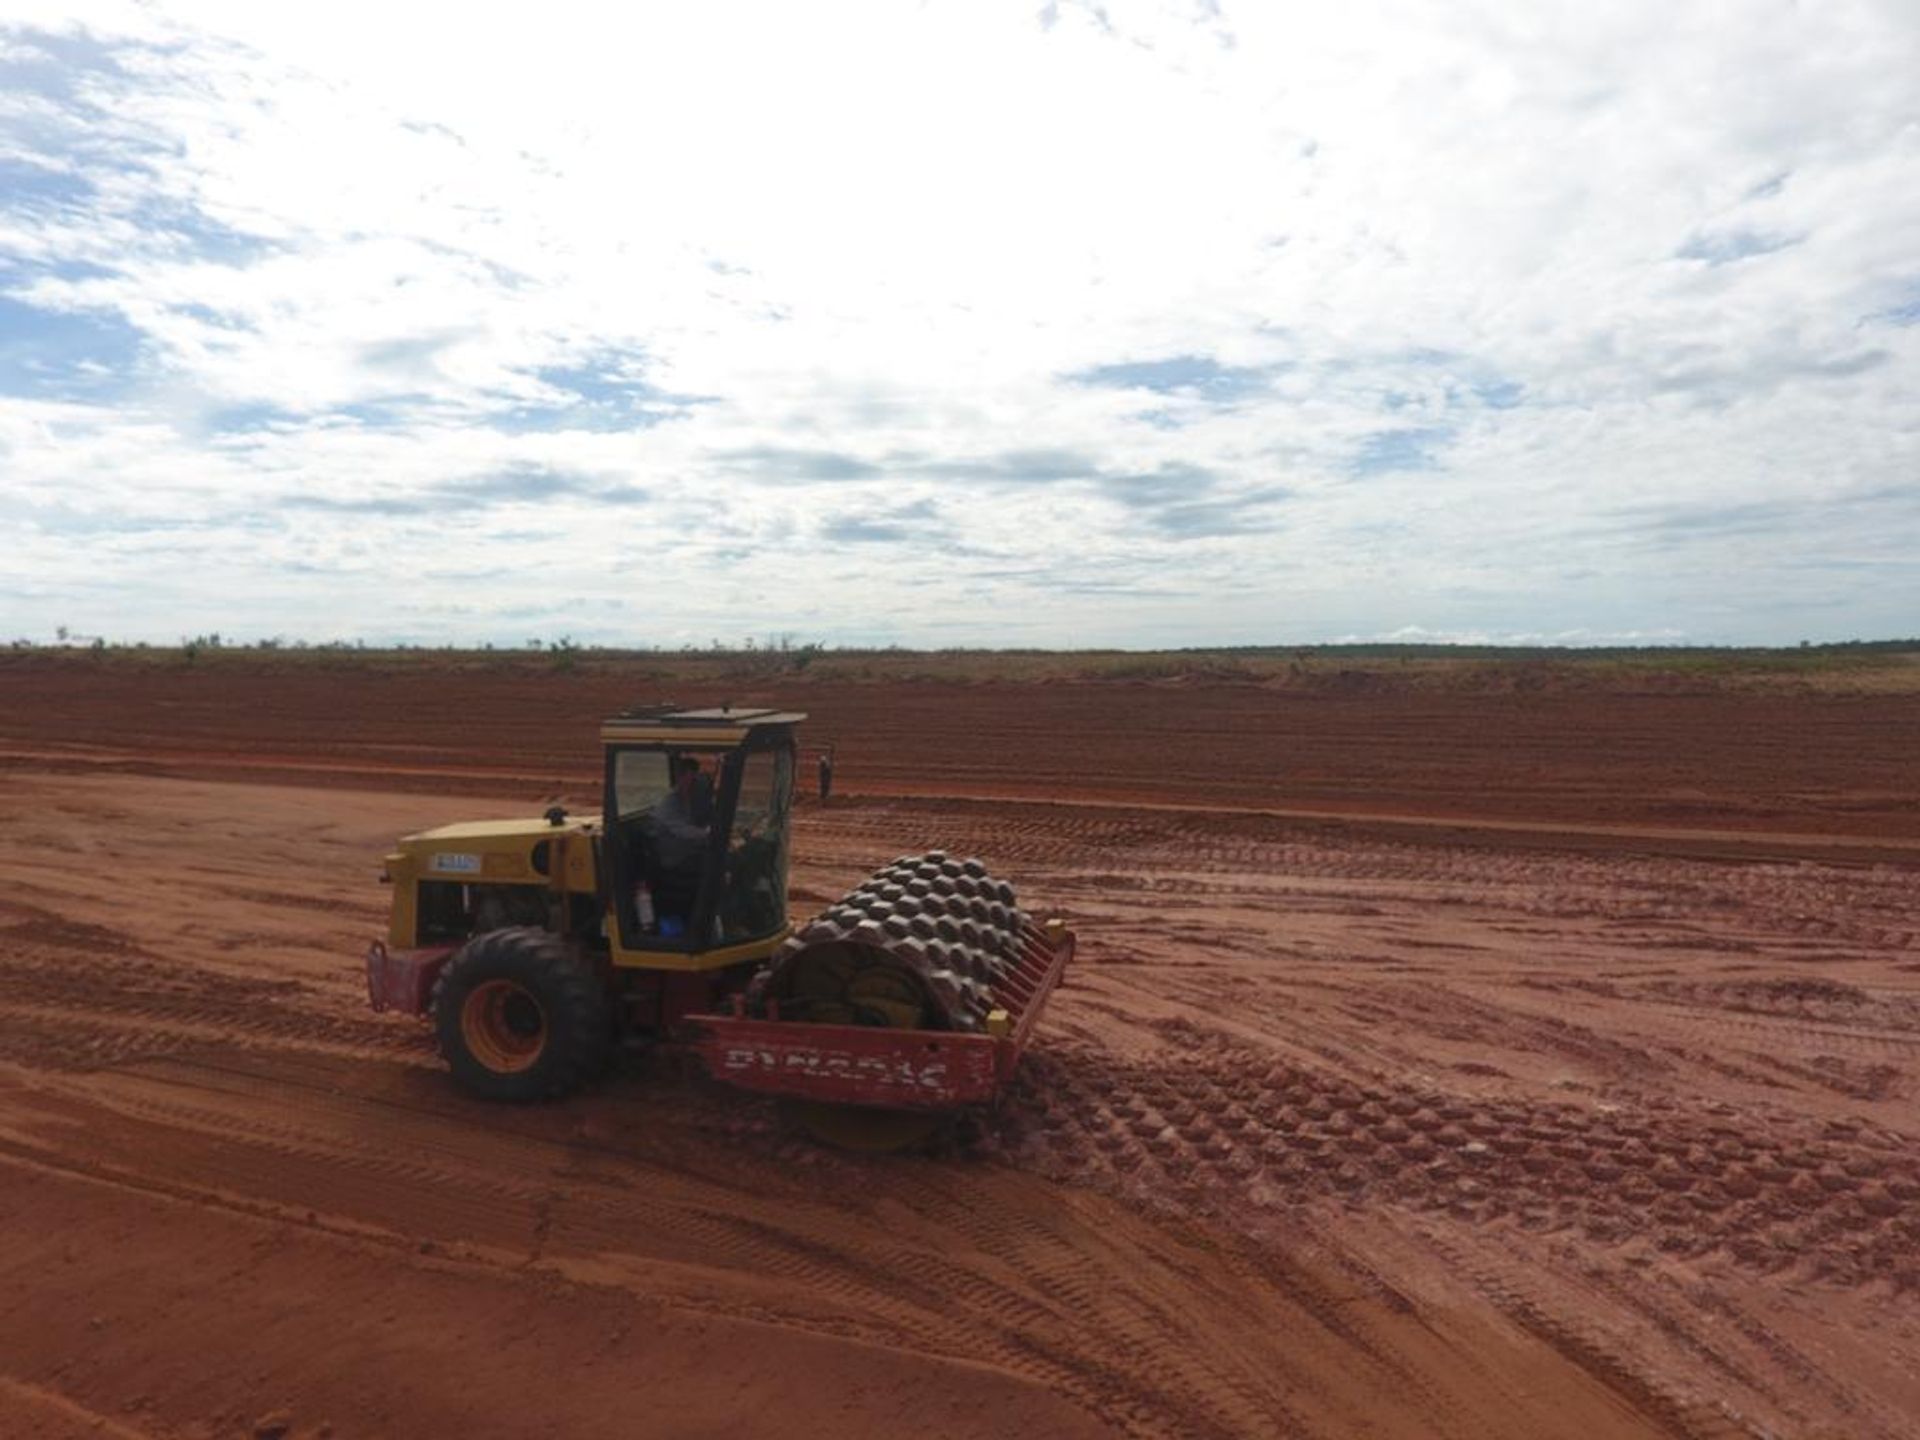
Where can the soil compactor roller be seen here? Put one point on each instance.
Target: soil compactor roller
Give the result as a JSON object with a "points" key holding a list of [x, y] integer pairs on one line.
{"points": [[534, 946]]}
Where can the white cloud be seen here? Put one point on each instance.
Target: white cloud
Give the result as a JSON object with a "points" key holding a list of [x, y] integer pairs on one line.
{"points": [[1533, 323]]}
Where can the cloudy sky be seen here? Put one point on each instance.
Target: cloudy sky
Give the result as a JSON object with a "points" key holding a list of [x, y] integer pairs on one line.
{"points": [[969, 323]]}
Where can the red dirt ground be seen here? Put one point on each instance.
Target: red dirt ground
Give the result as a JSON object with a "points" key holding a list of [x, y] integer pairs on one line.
{"points": [[1572, 1093]]}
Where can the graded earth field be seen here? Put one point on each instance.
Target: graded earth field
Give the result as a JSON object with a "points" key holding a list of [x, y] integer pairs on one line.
{"points": [[1435, 1064]]}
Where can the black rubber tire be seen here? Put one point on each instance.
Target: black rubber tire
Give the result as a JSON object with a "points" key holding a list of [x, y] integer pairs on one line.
{"points": [[573, 1039]]}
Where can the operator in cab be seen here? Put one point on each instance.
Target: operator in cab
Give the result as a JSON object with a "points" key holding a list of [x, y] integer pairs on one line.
{"points": [[679, 820]]}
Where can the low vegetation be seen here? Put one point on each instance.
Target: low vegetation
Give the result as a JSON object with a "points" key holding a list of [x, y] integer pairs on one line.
{"points": [[1882, 666]]}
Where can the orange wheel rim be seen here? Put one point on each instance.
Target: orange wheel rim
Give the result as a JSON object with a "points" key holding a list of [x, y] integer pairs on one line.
{"points": [[503, 1026]]}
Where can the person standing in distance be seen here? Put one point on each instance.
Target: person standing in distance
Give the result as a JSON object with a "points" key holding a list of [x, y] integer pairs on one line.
{"points": [[826, 774]]}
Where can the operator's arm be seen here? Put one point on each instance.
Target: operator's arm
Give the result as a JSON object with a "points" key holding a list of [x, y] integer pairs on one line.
{"points": [[671, 818], [677, 841]]}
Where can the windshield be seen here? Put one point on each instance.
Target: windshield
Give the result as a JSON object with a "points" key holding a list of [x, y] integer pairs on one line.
{"points": [[756, 902], [639, 780], [642, 780]]}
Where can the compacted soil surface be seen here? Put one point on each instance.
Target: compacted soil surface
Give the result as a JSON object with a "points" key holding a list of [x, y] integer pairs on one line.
{"points": [[1434, 1065]]}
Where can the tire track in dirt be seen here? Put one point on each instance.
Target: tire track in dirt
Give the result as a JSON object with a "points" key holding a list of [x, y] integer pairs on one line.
{"points": [[1227, 1128], [1049, 1316], [1691, 1325], [1867, 1050], [109, 1005], [1593, 1348], [1638, 1325], [490, 1194], [477, 1212], [1064, 1283]]}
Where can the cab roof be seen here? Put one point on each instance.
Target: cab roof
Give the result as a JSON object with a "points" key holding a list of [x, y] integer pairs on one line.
{"points": [[666, 724]]}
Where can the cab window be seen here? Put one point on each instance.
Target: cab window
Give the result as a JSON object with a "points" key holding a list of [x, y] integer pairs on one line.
{"points": [[756, 900], [639, 780]]}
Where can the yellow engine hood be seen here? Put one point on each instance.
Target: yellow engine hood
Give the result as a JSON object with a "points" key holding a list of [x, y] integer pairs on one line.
{"points": [[531, 828]]}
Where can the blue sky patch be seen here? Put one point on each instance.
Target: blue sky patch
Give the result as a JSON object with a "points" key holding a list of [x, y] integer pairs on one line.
{"points": [[26, 188], [594, 384], [193, 234], [71, 140], [1906, 310], [1729, 246], [246, 419], [1198, 375], [1499, 394], [605, 397], [1385, 451], [64, 355]]}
